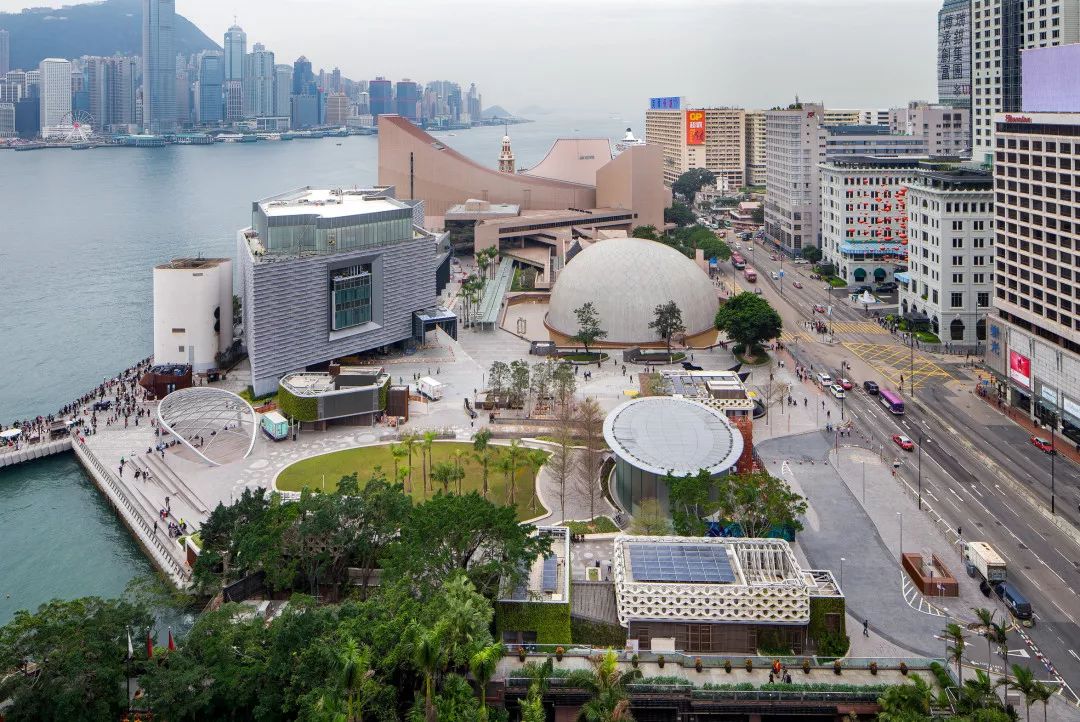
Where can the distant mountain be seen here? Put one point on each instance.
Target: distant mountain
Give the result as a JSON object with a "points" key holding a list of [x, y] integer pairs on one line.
{"points": [[103, 28], [496, 111]]}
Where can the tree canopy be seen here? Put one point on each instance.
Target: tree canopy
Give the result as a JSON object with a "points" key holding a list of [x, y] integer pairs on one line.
{"points": [[811, 253], [689, 183], [589, 329], [756, 502], [749, 321], [679, 214], [667, 322]]}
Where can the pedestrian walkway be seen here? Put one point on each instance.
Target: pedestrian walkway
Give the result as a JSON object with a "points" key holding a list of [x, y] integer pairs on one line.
{"points": [[898, 362], [861, 327]]}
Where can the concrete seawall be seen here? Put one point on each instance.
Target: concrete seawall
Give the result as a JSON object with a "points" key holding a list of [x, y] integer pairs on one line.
{"points": [[34, 451], [169, 561]]}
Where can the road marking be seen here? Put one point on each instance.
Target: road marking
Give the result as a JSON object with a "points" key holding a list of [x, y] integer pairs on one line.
{"points": [[955, 494], [931, 495], [1019, 653], [1036, 531], [1073, 653], [976, 490]]}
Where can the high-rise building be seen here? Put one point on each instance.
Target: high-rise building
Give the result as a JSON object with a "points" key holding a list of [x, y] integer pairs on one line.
{"points": [[184, 104], [7, 120], [5, 51], [856, 116], [303, 80], [382, 96], [954, 54], [235, 50], [210, 108], [407, 99], [1034, 332], [363, 103], [475, 104], [33, 83], [304, 112], [259, 82], [112, 84], [755, 147], [794, 149], [158, 66], [55, 99], [336, 82], [945, 128], [283, 80], [234, 100], [337, 109], [864, 215], [950, 251], [1000, 30], [712, 138], [10, 92]]}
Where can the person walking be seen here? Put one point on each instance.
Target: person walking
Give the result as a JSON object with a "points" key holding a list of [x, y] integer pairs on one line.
{"points": [[866, 627]]}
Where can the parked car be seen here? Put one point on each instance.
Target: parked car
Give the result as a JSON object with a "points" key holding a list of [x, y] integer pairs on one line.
{"points": [[846, 383], [1016, 603], [796, 284], [871, 387], [775, 276], [837, 390], [903, 442], [819, 308], [863, 289], [757, 291], [1043, 444], [772, 257], [800, 261], [889, 287]]}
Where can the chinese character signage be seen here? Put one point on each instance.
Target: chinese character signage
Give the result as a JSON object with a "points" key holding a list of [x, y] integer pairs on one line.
{"points": [[954, 56], [1020, 369], [695, 127], [665, 103]]}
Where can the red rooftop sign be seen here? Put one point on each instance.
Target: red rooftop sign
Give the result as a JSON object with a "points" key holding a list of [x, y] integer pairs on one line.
{"points": [[1017, 119]]}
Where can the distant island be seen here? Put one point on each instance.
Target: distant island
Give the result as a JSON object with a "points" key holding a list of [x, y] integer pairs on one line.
{"points": [[498, 112], [104, 28]]}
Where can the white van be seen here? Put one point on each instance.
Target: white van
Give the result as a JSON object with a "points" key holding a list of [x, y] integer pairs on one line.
{"points": [[824, 380]]}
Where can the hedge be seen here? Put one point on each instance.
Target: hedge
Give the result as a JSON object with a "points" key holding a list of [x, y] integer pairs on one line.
{"points": [[551, 622], [296, 407], [820, 607], [384, 393], [597, 634]]}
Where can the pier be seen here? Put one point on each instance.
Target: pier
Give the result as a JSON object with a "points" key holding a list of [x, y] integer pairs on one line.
{"points": [[29, 452]]}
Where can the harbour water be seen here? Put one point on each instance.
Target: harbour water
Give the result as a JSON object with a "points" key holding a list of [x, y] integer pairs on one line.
{"points": [[81, 232]]}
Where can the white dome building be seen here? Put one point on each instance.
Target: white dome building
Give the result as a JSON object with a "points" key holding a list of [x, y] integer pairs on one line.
{"points": [[626, 279]]}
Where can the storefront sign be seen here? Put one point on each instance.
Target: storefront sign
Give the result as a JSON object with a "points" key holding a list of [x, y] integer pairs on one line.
{"points": [[1017, 119], [695, 127], [1049, 394], [669, 103], [1020, 369], [1071, 407]]}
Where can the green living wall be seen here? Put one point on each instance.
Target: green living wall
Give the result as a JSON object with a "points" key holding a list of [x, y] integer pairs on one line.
{"points": [[551, 622]]}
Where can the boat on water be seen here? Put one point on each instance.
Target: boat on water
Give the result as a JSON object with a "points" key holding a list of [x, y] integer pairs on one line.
{"points": [[237, 138], [628, 141], [82, 146]]}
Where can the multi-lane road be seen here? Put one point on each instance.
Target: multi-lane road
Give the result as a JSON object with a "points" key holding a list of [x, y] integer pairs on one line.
{"points": [[980, 474]]}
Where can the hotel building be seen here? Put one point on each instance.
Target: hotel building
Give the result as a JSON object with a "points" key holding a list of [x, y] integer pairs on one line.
{"points": [[721, 150]]}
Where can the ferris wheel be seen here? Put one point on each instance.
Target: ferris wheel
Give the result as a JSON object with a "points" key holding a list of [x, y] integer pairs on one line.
{"points": [[79, 126]]}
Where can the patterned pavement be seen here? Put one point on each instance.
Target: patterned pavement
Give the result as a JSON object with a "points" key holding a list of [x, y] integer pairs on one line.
{"points": [[895, 362]]}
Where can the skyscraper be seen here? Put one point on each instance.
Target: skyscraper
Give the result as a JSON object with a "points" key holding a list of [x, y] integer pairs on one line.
{"points": [[337, 109], [235, 50], [112, 86], [5, 52], [954, 54], [406, 98], [259, 82], [303, 80], [209, 108], [283, 75], [382, 96], [159, 66], [55, 96], [794, 150]]}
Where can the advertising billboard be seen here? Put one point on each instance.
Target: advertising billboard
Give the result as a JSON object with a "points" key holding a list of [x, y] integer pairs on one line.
{"points": [[1020, 369], [695, 127], [671, 103]]}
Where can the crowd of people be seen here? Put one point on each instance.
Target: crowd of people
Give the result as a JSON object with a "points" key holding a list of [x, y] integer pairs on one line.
{"points": [[122, 394]]}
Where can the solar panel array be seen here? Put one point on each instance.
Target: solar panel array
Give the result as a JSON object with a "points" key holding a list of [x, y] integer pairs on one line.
{"points": [[549, 581], [681, 563]]}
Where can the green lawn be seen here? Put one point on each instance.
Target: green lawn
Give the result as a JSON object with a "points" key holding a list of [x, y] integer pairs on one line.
{"points": [[364, 460]]}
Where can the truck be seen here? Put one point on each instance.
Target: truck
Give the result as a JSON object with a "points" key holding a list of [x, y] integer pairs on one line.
{"points": [[275, 426], [750, 274], [430, 388], [981, 559]]}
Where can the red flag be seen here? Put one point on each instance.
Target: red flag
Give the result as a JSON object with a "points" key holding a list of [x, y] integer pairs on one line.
{"points": [[149, 645], [172, 644]]}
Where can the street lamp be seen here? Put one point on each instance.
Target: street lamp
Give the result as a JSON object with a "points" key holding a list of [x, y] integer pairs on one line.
{"points": [[901, 515], [922, 437], [842, 572]]}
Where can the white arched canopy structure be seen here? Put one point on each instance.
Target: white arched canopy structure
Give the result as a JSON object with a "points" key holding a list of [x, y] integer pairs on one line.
{"points": [[216, 424]]}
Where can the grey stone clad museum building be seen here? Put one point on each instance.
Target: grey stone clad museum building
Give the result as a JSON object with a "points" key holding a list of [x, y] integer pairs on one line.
{"points": [[326, 273]]}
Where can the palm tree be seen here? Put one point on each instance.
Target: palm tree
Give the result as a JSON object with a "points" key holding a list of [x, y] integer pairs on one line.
{"points": [[1042, 693], [428, 657], [458, 455], [607, 688], [356, 679], [1023, 682], [999, 635], [483, 665], [505, 465], [979, 690], [425, 445], [398, 452], [535, 458], [986, 619], [906, 701], [482, 454], [409, 441], [955, 633]]}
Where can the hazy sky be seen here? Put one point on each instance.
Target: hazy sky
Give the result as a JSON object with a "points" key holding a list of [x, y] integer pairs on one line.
{"points": [[606, 55]]}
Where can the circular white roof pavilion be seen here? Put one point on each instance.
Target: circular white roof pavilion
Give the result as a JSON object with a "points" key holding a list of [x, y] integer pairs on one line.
{"points": [[217, 425], [663, 434]]}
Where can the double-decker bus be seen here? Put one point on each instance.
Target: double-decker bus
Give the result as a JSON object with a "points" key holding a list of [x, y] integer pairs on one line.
{"points": [[751, 275], [891, 401], [737, 261]]}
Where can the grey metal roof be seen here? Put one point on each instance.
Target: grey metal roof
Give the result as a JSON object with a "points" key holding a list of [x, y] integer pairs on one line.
{"points": [[661, 434]]}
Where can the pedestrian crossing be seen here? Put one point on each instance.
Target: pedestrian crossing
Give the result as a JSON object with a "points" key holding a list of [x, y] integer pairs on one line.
{"points": [[863, 327], [796, 337]]}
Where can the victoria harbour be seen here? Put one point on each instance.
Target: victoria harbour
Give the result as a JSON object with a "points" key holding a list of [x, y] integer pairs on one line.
{"points": [[78, 281]]}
